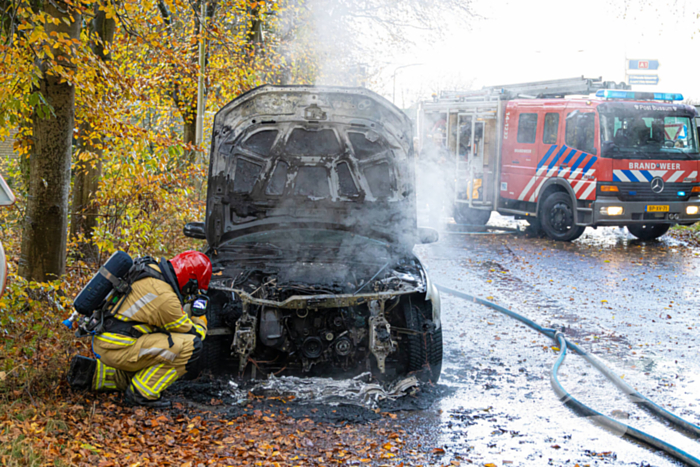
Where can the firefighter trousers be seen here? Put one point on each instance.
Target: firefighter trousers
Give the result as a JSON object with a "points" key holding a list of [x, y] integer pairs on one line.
{"points": [[150, 365]]}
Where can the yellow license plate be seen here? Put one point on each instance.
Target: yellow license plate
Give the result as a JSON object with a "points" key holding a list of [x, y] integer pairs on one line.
{"points": [[656, 208]]}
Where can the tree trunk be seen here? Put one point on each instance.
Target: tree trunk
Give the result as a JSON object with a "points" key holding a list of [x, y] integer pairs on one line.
{"points": [[189, 134], [88, 173], [43, 254], [86, 181], [188, 107]]}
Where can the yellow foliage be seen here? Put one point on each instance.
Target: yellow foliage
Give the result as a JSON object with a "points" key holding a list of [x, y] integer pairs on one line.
{"points": [[130, 108]]}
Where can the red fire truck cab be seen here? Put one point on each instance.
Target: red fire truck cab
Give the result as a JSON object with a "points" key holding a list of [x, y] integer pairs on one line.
{"points": [[623, 158]]}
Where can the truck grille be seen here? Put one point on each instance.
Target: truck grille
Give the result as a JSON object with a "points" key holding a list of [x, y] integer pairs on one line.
{"points": [[641, 191]]}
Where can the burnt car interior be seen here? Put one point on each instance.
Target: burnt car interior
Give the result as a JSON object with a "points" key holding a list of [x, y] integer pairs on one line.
{"points": [[310, 225]]}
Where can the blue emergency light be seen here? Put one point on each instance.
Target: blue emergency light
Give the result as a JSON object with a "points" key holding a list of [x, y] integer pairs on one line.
{"points": [[639, 96]]}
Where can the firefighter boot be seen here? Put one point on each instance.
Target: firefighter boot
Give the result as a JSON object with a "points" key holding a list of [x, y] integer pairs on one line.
{"points": [[81, 372], [132, 398]]}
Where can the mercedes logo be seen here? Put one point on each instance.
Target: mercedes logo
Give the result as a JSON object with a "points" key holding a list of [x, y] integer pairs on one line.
{"points": [[657, 184]]}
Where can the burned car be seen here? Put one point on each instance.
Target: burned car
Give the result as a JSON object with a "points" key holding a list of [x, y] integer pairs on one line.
{"points": [[310, 225]]}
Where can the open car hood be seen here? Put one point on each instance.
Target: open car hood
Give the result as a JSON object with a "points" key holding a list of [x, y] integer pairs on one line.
{"points": [[307, 156]]}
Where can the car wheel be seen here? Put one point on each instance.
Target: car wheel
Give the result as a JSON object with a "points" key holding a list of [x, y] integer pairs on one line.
{"points": [[557, 218], [424, 349], [648, 231], [463, 214]]}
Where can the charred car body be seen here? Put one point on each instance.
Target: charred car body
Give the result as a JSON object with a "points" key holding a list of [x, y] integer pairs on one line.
{"points": [[310, 225]]}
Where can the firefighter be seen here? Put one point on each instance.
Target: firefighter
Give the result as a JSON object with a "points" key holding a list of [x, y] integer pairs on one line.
{"points": [[151, 340]]}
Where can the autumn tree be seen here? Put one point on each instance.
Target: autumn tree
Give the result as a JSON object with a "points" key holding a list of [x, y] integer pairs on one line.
{"points": [[121, 95], [88, 167], [41, 39]]}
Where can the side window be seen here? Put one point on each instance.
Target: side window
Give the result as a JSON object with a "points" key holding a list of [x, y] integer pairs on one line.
{"points": [[551, 128], [527, 128], [580, 131]]}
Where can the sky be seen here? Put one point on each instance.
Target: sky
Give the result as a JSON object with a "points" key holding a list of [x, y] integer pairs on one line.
{"points": [[513, 41]]}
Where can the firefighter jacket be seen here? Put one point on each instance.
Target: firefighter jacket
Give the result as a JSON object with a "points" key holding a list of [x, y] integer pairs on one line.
{"points": [[151, 306], [149, 342]]}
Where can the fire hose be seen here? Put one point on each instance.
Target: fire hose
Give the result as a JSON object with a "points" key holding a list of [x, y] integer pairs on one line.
{"points": [[583, 409]]}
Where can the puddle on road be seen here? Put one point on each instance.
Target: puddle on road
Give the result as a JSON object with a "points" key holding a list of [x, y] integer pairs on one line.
{"points": [[503, 410]]}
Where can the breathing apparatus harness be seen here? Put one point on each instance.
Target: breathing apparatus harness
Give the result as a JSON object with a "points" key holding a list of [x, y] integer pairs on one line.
{"points": [[103, 318]]}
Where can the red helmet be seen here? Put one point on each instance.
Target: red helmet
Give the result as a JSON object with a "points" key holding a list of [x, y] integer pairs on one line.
{"points": [[192, 265]]}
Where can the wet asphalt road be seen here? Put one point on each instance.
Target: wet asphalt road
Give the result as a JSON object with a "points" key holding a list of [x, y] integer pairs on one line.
{"points": [[634, 305]]}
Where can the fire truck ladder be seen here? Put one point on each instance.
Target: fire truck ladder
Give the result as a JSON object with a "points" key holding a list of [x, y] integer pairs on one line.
{"points": [[535, 90]]}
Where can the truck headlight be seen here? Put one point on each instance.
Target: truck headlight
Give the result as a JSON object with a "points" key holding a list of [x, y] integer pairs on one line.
{"points": [[612, 210], [691, 210]]}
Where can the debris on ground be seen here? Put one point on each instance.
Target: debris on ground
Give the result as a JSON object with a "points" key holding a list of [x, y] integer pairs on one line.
{"points": [[358, 390]]}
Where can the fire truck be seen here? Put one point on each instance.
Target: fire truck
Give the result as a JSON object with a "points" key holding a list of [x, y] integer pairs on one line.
{"points": [[534, 151]]}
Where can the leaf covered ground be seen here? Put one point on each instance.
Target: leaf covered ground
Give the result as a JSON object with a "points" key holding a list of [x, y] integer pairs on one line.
{"points": [[100, 431], [686, 234], [44, 422]]}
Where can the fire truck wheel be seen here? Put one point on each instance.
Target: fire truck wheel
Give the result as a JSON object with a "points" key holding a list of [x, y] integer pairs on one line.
{"points": [[470, 216], [557, 218], [648, 231]]}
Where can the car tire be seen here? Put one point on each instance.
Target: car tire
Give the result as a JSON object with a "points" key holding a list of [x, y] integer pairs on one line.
{"points": [[557, 218], [424, 349], [463, 214], [648, 231]]}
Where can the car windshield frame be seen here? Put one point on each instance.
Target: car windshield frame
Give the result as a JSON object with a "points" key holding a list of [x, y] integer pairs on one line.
{"points": [[621, 132]]}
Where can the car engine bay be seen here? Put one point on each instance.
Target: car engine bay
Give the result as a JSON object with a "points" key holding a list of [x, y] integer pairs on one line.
{"points": [[313, 313]]}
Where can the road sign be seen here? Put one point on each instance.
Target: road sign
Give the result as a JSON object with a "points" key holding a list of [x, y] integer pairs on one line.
{"points": [[642, 64], [644, 80]]}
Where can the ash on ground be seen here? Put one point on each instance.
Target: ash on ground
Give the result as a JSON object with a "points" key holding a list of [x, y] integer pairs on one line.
{"points": [[356, 400], [359, 390]]}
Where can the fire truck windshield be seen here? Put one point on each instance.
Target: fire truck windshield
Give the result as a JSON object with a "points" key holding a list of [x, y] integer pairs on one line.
{"points": [[649, 135]]}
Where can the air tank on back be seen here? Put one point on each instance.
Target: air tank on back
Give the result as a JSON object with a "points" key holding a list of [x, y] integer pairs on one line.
{"points": [[94, 293]]}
